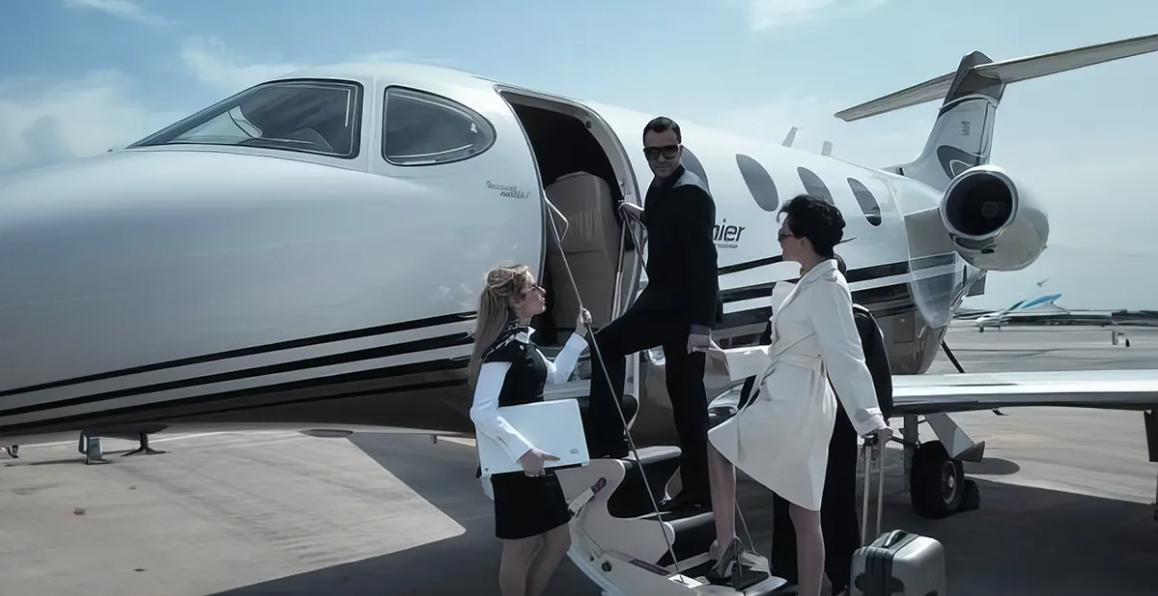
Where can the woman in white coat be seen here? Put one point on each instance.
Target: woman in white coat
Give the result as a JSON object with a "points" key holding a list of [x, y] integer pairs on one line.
{"points": [[780, 437]]}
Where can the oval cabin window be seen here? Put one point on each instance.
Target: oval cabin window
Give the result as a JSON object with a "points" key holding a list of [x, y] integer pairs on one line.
{"points": [[691, 162], [424, 129], [302, 116], [868, 203], [814, 186], [759, 182]]}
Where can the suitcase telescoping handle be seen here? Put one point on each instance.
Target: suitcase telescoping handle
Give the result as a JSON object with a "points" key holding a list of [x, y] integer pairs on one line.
{"points": [[871, 445]]}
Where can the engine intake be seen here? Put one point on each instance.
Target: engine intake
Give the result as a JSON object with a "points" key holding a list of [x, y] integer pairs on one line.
{"points": [[995, 224]]}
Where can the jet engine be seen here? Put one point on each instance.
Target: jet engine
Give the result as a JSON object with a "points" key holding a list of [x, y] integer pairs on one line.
{"points": [[994, 223]]}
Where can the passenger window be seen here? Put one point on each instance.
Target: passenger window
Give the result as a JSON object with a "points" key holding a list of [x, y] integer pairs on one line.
{"points": [[814, 186], [424, 129], [868, 203], [691, 162], [759, 181], [322, 117]]}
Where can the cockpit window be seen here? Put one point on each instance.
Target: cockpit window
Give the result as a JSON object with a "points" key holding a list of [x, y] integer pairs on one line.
{"points": [[424, 129], [322, 117]]}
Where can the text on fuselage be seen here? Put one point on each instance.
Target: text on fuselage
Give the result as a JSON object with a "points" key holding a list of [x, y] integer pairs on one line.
{"points": [[726, 235]]}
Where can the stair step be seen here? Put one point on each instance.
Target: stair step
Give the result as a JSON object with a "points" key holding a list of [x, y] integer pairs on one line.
{"points": [[748, 581], [694, 532], [659, 463]]}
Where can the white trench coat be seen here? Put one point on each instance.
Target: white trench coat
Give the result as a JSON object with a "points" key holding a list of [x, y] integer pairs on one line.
{"points": [[781, 438]]}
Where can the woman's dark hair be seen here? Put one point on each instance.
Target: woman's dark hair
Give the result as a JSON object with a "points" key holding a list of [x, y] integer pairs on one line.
{"points": [[817, 220]]}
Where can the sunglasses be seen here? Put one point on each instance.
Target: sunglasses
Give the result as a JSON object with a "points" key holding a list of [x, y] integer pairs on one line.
{"points": [[667, 151], [537, 288], [782, 235]]}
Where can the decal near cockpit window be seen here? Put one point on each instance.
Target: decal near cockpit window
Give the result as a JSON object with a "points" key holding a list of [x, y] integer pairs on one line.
{"points": [[321, 117], [423, 129]]}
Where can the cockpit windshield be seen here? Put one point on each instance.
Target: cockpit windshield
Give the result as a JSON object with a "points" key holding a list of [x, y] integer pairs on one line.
{"points": [[320, 117]]}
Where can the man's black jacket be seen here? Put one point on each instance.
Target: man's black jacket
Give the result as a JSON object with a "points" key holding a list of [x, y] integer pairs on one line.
{"points": [[680, 215], [876, 358]]}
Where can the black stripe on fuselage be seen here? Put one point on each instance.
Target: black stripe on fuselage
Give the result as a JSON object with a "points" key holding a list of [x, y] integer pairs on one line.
{"points": [[399, 349], [250, 351], [763, 290], [289, 393], [885, 301]]}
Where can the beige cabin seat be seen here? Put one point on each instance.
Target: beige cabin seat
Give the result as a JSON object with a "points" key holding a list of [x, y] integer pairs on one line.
{"points": [[591, 243]]}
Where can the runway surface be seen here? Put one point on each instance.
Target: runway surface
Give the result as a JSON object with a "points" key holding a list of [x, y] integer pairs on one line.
{"points": [[1065, 505]]}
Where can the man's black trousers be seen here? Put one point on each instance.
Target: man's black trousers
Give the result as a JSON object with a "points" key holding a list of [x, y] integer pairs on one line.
{"points": [[635, 331], [838, 515]]}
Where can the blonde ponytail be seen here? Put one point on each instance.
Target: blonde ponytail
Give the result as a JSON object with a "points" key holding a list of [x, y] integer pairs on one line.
{"points": [[494, 311]]}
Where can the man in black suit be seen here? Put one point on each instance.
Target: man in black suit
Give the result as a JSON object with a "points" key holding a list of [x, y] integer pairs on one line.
{"points": [[838, 515], [676, 310]]}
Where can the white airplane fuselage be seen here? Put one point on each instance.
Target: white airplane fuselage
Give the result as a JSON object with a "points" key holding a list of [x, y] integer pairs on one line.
{"points": [[186, 285]]}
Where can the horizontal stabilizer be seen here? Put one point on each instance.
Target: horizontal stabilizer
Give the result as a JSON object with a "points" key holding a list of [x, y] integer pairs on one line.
{"points": [[1005, 72]]}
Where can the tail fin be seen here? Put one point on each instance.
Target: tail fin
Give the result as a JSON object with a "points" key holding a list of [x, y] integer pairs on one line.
{"points": [[962, 136]]}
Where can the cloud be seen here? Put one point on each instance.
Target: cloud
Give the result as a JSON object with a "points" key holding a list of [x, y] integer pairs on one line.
{"points": [[47, 120], [766, 15], [122, 9], [210, 61]]}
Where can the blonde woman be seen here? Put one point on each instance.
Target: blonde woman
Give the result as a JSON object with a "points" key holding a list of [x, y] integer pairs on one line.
{"points": [[507, 369]]}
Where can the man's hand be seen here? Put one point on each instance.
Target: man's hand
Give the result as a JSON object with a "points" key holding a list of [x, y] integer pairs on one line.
{"points": [[700, 343], [630, 211]]}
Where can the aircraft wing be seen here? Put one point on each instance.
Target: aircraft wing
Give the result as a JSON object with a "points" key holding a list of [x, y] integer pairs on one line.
{"points": [[964, 392]]}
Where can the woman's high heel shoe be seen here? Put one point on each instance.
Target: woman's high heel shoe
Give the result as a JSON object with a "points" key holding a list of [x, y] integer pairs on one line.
{"points": [[728, 569]]}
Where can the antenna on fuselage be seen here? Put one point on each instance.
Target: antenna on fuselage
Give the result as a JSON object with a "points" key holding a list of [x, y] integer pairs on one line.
{"points": [[826, 149], [791, 137]]}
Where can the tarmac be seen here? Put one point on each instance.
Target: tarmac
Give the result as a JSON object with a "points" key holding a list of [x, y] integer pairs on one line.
{"points": [[1065, 504]]}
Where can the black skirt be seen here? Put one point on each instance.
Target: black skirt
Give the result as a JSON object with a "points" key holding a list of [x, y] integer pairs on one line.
{"points": [[527, 506]]}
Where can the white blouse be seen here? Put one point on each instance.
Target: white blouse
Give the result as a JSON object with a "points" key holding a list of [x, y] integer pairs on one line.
{"points": [[484, 412]]}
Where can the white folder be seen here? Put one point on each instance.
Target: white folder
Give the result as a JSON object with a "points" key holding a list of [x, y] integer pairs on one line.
{"points": [[553, 426]]}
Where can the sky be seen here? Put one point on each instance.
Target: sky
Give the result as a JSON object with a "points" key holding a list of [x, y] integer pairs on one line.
{"points": [[78, 77]]}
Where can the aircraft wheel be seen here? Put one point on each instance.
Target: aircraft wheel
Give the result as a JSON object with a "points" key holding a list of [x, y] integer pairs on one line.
{"points": [[13, 451], [936, 481]]}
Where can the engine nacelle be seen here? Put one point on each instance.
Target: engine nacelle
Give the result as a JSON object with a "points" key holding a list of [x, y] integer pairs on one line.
{"points": [[994, 223]]}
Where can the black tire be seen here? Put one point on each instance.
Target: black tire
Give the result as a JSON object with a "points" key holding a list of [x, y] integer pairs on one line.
{"points": [[936, 482]]}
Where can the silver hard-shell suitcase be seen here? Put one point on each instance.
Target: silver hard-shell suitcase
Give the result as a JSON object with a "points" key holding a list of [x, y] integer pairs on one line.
{"points": [[896, 563]]}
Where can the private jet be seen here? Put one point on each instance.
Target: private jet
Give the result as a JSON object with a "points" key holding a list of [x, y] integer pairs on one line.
{"points": [[1040, 306], [307, 254]]}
